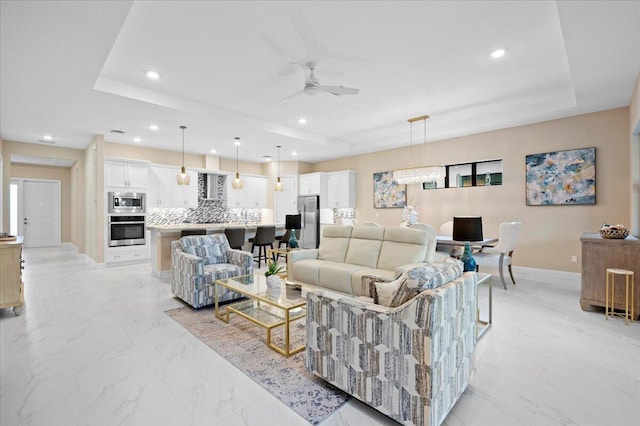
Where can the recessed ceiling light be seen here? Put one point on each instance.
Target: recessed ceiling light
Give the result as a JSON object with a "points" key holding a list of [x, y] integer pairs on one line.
{"points": [[47, 137], [137, 140], [153, 75], [295, 154], [302, 120], [213, 151], [498, 53], [267, 157], [153, 127]]}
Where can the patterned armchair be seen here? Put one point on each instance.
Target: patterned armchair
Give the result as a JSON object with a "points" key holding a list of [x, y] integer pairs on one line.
{"points": [[197, 261], [411, 362]]}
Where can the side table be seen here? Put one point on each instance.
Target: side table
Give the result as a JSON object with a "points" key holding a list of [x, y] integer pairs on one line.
{"points": [[481, 325]]}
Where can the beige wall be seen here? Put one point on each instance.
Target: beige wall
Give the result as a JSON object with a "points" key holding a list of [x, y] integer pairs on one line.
{"points": [[10, 148], [634, 131], [550, 234], [63, 174], [158, 156]]}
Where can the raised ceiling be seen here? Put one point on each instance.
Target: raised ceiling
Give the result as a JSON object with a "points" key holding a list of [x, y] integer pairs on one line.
{"points": [[76, 69]]}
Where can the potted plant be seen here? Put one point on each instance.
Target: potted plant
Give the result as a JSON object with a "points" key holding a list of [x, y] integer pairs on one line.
{"points": [[273, 269]]}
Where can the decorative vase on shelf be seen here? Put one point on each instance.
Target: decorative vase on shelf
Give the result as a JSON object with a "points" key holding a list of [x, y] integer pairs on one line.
{"points": [[467, 258]]}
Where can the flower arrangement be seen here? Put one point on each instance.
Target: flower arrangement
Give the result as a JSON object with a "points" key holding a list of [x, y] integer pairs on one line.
{"points": [[409, 216]]}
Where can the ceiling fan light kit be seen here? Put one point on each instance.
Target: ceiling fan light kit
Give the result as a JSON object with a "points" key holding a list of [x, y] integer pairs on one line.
{"points": [[419, 174], [183, 178]]}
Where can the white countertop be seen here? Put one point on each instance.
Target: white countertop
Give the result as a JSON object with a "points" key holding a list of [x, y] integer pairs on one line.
{"points": [[208, 226]]}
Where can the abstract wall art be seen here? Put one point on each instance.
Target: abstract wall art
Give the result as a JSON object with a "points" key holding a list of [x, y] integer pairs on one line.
{"points": [[387, 193], [561, 178]]}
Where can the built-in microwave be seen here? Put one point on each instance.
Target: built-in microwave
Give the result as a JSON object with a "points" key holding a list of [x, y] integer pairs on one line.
{"points": [[127, 202]]}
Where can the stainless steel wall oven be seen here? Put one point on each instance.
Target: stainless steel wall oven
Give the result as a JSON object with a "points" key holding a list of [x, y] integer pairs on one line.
{"points": [[126, 230]]}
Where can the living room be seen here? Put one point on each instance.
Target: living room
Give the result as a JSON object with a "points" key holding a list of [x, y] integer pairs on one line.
{"points": [[549, 249]]}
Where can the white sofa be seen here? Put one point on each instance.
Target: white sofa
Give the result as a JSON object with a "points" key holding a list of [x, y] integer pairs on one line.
{"points": [[347, 253]]}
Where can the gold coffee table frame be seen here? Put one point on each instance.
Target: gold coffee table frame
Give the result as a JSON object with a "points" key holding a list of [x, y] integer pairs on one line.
{"points": [[267, 307]]}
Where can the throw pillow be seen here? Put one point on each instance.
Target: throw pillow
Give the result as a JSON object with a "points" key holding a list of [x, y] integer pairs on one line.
{"points": [[383, 292], [408, 289]]}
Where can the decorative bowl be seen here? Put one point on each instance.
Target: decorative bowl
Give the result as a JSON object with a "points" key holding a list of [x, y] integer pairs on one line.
{"points": [[614, 233]]}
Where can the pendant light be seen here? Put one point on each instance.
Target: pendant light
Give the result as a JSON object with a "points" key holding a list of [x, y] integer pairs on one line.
{"points": [[279, 186], [183, 178], [423, 173], [237, 183]]}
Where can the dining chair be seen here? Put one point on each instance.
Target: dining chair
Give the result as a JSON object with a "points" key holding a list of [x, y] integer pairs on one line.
{"points": [[501, 254], [446, 228]]}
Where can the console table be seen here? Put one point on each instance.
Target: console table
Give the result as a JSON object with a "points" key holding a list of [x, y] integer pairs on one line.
{"points": [[598, 254]]}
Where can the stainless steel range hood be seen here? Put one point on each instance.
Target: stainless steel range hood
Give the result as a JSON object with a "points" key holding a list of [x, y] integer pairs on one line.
{"points": [[215, 187]]}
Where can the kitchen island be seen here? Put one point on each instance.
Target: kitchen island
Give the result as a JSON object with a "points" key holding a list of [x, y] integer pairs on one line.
{"points": [[161, 237]]}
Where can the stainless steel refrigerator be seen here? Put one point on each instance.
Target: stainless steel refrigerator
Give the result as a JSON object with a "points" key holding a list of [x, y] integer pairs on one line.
{"points": [[309, 209]]}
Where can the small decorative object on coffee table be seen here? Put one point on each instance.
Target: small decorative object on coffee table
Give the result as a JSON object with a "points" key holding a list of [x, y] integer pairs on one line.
{"points": [[617, 232], [273, 280], [467, 258]]}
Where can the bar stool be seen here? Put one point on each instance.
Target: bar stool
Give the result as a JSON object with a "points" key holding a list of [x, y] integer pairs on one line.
{"points": [[235, 236], [629, 281], [265, 236]]}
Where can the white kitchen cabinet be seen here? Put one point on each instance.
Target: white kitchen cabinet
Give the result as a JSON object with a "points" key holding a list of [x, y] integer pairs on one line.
{"points": [[126, 254], [314, 184], [341, 189], [161, 182], [125, 174], [165, 192], [286, 202], [253, 195], [185, 196]]}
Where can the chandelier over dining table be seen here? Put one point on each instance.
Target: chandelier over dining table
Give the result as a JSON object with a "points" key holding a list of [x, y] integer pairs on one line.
{"points": [[419, 174]]}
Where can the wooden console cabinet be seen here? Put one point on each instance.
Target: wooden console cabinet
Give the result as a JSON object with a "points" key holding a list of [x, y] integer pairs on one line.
{"points": [[598, 254], [11, 291]]}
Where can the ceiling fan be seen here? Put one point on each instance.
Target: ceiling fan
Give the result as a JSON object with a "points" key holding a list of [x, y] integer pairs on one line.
{"points": [[312, 86]]}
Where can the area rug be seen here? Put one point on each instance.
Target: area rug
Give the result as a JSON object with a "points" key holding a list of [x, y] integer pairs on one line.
{"points": [[243, 344]]}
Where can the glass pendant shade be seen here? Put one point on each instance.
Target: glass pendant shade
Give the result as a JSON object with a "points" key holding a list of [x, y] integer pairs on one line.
{"points": [[183, 178], [279, 186], [421, 174], [237, 182]]}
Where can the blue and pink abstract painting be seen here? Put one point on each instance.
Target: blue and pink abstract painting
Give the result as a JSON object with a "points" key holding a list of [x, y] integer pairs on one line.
{"points": [[561, 178], [387, 193]]}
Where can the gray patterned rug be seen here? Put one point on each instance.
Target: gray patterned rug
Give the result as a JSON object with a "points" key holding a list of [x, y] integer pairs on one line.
{"points": [[243, 344]]}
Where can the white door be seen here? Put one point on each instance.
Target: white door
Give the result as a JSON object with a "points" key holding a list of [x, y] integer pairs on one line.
{"points": [[41, 219]]}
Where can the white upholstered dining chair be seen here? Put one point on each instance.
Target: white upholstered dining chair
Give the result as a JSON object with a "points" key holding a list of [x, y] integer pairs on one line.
{"points": [[501, 254]]}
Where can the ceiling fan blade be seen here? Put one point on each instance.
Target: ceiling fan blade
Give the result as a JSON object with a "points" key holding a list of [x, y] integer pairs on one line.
{"points": [[295, 95], [339, 90]]}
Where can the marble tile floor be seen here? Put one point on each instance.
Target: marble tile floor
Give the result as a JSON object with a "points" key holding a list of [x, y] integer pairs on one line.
{"points": [[93, 347]]}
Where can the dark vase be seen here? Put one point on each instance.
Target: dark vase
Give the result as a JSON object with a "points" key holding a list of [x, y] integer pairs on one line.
{"points": [[467, 259]]}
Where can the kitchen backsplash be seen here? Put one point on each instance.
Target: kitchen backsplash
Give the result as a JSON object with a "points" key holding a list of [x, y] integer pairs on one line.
{"points": [[208, 211], [343, 214]]}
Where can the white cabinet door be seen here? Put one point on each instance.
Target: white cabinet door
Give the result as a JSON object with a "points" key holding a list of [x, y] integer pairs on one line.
{"points": [[125, 175], [253, 195], [161, 181], [137, 175], [314, 184], [115, 173], [285, 202], [341, 189], [259, 193], [185, 196]]}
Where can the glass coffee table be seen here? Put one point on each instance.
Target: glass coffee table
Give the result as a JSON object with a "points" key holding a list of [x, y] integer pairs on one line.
{"points": [[268, 307]]}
